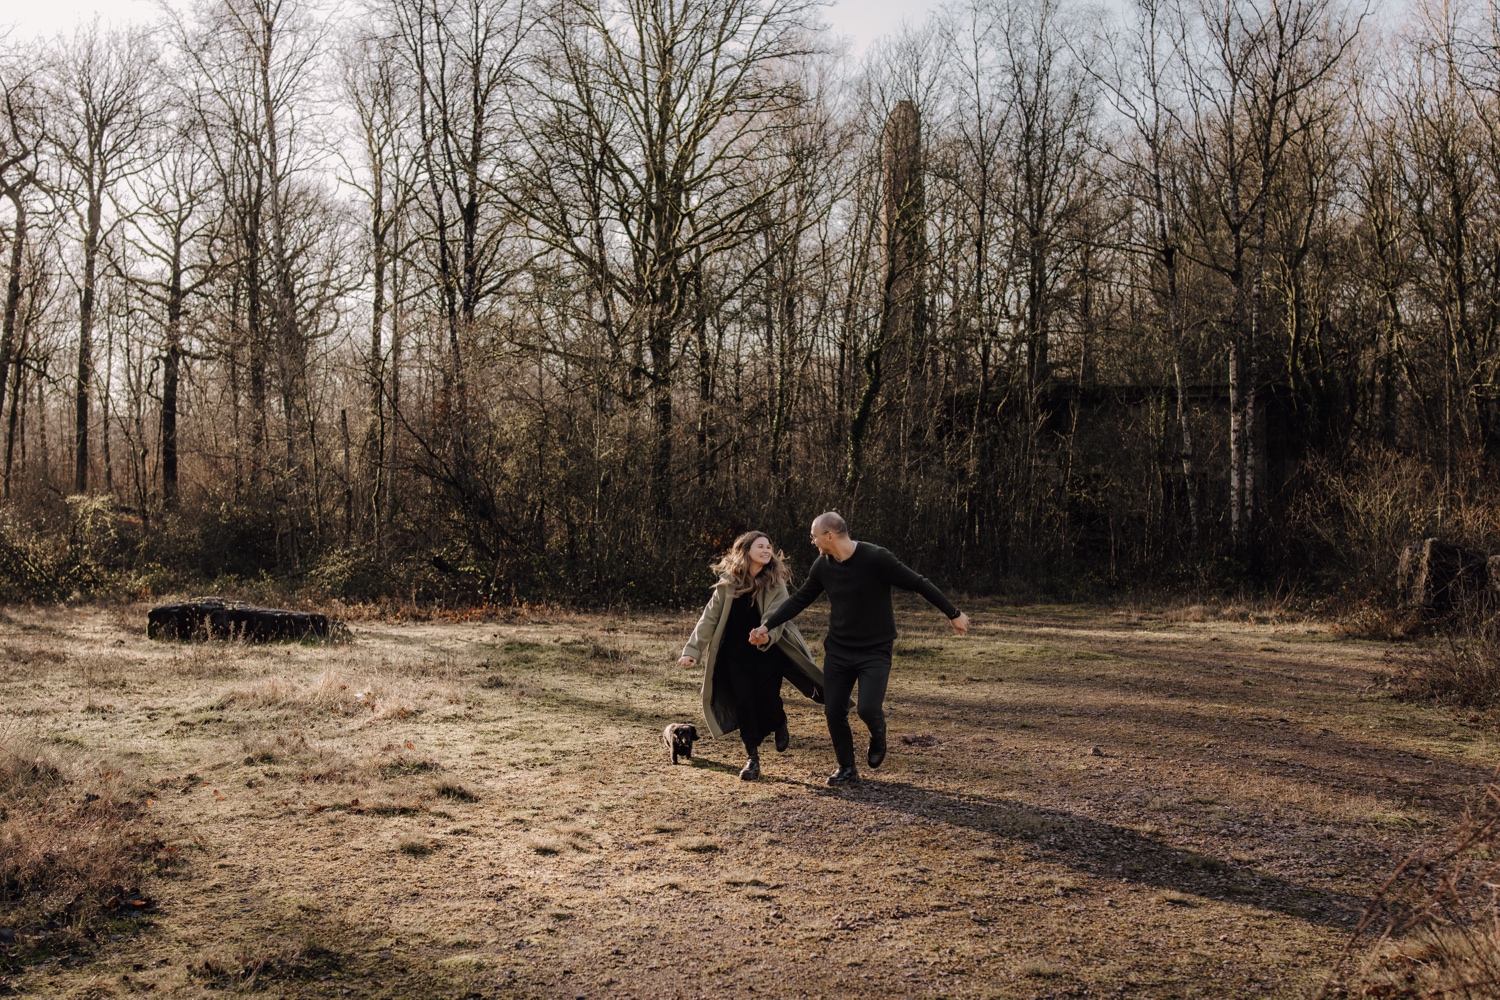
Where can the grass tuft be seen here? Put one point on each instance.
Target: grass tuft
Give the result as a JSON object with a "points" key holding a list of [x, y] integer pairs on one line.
{"points": [[1040, 968], [401, 768], [456, 792], [258, 966], [1462, 669]]}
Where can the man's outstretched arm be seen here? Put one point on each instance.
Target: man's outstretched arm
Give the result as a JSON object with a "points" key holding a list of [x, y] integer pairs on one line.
{"points": [[898, 574], [797, 603]]}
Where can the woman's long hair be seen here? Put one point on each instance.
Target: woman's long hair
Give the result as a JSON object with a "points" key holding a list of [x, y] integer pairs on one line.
{"points": [[734, 567]]}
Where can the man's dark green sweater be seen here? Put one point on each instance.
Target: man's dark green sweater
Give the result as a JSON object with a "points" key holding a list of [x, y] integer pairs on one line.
{"points": [[859, 596]]}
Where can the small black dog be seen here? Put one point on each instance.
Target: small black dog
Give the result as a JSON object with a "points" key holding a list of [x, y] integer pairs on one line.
{"points": [[679, 738]]}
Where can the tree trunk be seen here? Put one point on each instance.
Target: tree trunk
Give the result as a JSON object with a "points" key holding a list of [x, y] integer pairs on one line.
{"points": [[105, 411], [171, 373], [348, 479], [905, 220], [14, 426], [374, 446], [661, 413], [86, 346], [8, 349]]}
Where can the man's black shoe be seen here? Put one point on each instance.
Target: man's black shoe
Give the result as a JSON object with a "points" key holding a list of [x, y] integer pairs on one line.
{"points": [[783, 738], [844, 776], [877, 748], [751, 770]]}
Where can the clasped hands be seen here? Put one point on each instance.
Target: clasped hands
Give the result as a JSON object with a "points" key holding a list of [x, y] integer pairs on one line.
{"points": [[761, 636]]}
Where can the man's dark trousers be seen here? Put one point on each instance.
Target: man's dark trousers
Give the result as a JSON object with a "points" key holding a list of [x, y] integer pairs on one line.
{"points": [[842, 667]]}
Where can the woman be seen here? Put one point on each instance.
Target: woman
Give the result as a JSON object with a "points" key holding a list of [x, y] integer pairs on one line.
{"points": [[742, 682]]}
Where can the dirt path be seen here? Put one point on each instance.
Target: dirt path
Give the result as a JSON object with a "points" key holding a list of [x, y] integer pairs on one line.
{"points": [[1109, 806]]}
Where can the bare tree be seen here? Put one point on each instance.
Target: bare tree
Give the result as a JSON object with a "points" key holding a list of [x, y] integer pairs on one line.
{"points": [[22, 133], [1251, 67], [1140, 84], [462, 57], [101, 87], [647, 114], [253, 62], [179, 237], [382, 98]]}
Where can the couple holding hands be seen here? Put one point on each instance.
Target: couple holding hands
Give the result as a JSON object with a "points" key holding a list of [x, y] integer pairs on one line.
{"points": [[747, 643]]}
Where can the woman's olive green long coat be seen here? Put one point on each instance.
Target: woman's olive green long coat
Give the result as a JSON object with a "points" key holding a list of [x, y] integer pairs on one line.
{"points": [[708, 635]]}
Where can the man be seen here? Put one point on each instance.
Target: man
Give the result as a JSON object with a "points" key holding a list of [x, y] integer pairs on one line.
{"points": [[858, 577]]}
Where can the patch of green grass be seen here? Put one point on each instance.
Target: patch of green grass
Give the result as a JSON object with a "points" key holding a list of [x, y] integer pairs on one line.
{"points": [[415, 848]]}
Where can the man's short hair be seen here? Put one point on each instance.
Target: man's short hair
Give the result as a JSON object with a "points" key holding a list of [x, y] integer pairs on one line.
{"points": [[831, 521]]}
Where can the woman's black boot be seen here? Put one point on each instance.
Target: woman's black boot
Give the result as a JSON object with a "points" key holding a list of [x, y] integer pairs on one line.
{"points": [[783, 738], [751, 770]]}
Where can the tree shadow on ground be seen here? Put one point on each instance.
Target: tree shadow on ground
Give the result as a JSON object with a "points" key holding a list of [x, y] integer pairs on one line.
{"points": [[1109, 851], [1254, 748]]}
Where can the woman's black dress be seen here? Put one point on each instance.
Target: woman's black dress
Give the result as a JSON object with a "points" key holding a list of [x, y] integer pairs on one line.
{"points": [[751, 676]]}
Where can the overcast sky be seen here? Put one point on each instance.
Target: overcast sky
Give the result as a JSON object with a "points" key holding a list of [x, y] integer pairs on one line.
{"points": [[860, 20]]}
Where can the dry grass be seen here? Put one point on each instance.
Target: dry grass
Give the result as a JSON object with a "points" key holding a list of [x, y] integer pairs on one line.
{"points": [[73, 850], [1146, 802], [415, 848], [453, 790], [345, 691], [270, 964], [1435, 924], [1460, 667], [1432, 963], [1380, 620], [1040, 968]]}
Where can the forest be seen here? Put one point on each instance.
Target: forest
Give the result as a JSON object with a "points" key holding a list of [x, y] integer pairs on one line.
{"points": [[488, 301]]}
